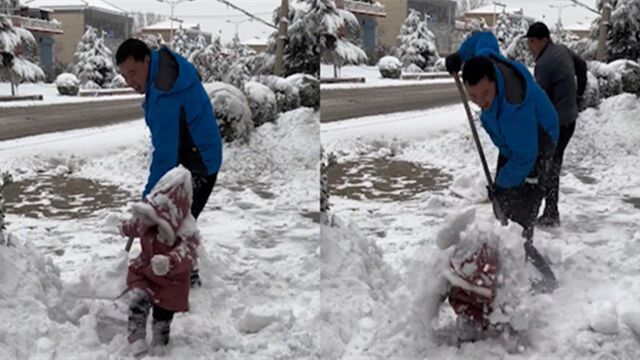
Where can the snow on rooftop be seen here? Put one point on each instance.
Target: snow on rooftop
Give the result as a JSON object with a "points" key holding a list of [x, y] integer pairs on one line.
{"points": [[76, 5], [166, 25], [542, 11]]}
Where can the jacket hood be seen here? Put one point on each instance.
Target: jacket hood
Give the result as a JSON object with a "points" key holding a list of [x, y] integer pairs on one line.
{"points": [[168, 205]]}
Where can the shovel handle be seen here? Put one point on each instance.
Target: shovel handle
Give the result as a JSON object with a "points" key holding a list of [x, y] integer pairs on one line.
{"points": [[476, 139], [129, 243]]}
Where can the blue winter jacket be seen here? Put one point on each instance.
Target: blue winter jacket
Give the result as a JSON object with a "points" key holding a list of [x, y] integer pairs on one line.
{"points": [[513, 127], [186, 100]]}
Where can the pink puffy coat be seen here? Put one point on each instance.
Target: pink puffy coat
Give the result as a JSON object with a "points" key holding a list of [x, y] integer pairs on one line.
{"points": [[165, 226]]}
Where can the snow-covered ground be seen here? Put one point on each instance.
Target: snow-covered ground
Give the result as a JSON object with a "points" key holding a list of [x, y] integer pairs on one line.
{"points": [[51, 96], [260, 254], [372, 77], [380, 276]]}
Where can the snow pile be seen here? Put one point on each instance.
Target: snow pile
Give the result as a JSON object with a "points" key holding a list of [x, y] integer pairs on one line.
{"points": [[390, 67], [291, 145], [609, 80], [30, 299], [605, 141], [630, 74], [232, 111], [355, 283], [262, 102]]}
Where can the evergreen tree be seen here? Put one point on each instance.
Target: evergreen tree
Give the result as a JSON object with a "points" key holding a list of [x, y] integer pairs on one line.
{"points": [[332, 25], [623, 40], [93, 59], [416, 42], [13, 42], [182, 43], [211, 64]]}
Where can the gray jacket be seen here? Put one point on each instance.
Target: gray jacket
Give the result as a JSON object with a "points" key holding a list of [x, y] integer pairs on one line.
{"points": [[556, 70]]}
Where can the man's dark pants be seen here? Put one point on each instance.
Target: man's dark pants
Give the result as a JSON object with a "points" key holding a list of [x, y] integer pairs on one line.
{"points": [[553, 181], [202, 188]]}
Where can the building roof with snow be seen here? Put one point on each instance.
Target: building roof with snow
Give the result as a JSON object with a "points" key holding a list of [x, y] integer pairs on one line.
{"points": [[166, 25], [71, 5], [541, 10]]}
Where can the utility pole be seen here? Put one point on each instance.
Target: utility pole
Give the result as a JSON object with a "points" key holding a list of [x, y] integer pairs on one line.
{"points": [[602, 32], [560, 8], [173, 4], [282, 35]]}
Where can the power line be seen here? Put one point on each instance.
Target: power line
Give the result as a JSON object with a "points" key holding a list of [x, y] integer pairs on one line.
{"points": [[247, 13]]}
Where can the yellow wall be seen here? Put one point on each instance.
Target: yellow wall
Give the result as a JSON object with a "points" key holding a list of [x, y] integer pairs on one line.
{"points": [[389, 26], [65, 44]]}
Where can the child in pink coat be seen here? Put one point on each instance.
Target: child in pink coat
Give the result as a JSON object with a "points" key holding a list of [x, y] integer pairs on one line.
{"points": [[159, 277]]}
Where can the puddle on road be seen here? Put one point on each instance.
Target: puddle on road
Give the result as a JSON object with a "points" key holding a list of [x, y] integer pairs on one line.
{"points": [[262, 190], [61, 197], [384, 179]]}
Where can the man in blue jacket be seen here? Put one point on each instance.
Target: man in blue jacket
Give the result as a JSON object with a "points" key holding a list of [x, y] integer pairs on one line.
{"points": [[522, 123], [179, 115]]}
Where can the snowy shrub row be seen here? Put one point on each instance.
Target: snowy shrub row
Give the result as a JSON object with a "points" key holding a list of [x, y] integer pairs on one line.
{"points": [[260, 101], [606, 80]]}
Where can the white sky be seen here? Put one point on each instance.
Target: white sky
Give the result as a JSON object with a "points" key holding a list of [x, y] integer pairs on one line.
{"points": [[213, 15]]}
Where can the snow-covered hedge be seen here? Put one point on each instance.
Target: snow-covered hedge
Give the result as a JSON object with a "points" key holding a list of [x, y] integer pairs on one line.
{"points": [[90, 85], [609, 82], [232, 111], [118, 82], [308, 89], [390, 67], [591, 98], [440, 65], [67, 84], [413, 69], [287, 95], [262, 102], [630, 73]]}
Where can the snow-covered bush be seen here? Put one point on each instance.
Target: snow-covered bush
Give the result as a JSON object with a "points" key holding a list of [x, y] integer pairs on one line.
{"points": [[390, 67], [609, 81], [232, 111], [308, 89], [287, 95], [262, 102], [210, 63], [630, 74], [238, 74], [67, 84], [591, 97], [118, 82], [439, 65], [413, 68], [90, 85]]}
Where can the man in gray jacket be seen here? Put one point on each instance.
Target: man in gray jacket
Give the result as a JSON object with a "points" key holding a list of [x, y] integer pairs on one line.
{"points": [[556, 71]]}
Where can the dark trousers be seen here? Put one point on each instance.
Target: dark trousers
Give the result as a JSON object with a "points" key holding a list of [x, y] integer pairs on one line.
{"points": [[139, 309], [521, 203], [202, 188], [553, 181]]}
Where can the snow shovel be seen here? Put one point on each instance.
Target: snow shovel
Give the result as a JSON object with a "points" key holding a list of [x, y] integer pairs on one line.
{"points": [[533, 256], [463, 96]]}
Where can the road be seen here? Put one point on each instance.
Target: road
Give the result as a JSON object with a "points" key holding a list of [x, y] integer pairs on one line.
{"points": [[343, 104], [20, 122]]}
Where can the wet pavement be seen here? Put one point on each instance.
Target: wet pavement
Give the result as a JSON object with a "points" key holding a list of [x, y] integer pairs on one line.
{"points": [[61, 197], [384, 179]]}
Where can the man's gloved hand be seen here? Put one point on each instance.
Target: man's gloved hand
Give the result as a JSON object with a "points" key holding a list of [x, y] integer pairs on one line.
{"points": [[160, 265], [453, 63]]}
